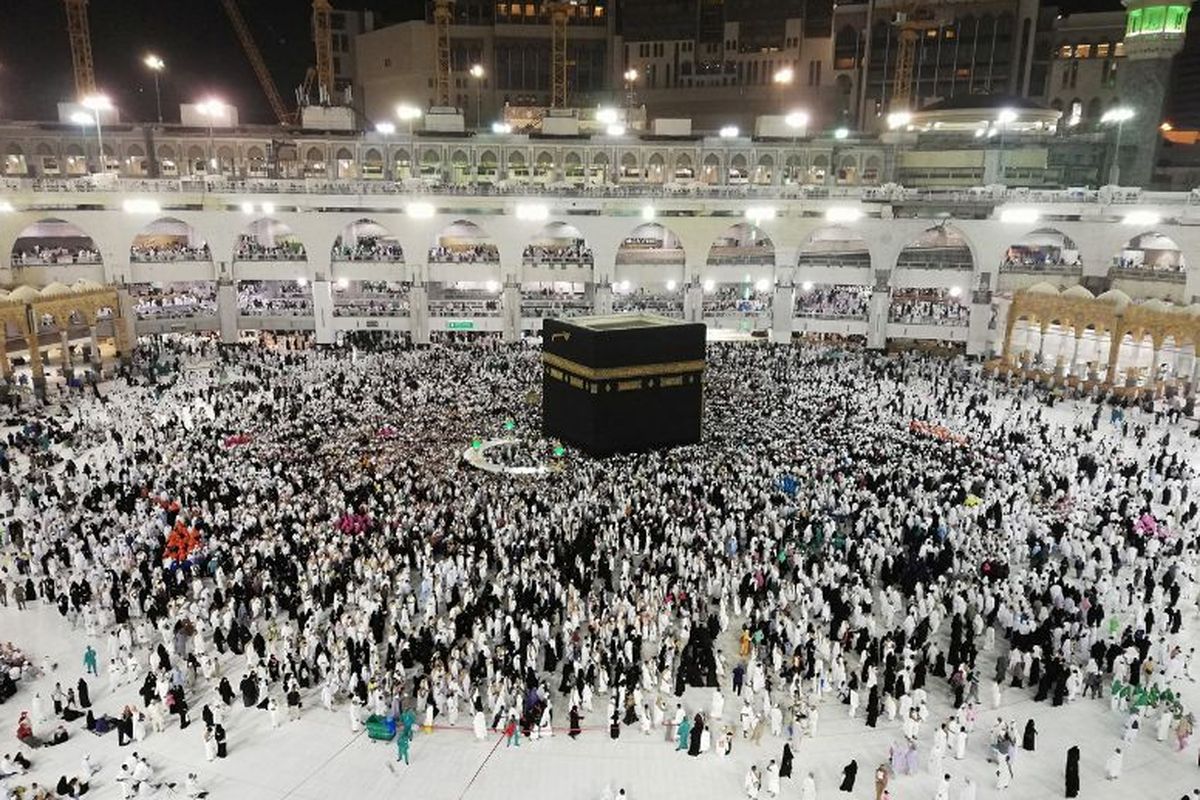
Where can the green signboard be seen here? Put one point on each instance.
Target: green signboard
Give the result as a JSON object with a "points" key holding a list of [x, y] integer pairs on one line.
{"points": [[460, 325]]}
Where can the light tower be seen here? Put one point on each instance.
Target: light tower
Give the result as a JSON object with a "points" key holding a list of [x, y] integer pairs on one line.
{"points": [[1154, 33]]}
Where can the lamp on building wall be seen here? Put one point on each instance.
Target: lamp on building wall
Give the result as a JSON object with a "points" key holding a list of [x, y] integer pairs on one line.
{"points": [[631, 76], [783, 78], [477, 72]]}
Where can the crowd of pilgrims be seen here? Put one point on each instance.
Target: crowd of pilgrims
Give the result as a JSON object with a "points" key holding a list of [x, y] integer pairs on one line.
{"points": [[833, 302], [369, 248], [49, 254], [164, 253], [178, 300], [338, 556], [927, 307]]}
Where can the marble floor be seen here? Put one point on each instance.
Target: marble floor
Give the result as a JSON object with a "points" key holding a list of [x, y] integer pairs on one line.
{"points": [[318, 757]]}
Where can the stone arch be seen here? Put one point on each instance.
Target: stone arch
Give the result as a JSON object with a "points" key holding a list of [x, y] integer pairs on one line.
{"points": [[168, 239], [1043, 249], [487, 158], [1150, 254], [463, 242], [742, 244], [268, 239], [651, 243], [344, 154], [600, 159], [558, 243], [366, 240], [834, 246], [940, 247], [54, 242]]}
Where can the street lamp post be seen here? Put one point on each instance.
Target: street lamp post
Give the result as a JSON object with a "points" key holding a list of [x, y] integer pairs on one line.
{"points": [[156, 66], [796, 121], [631, 76], [211, 108], [97, 103], [1120, 116], [409, 114], [477, 73], [386, 129]]}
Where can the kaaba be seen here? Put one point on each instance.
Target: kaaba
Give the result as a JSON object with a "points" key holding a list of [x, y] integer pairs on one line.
{"points": [[622, 383]]}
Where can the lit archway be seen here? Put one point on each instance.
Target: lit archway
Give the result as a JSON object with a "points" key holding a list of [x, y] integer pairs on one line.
{"points": [[463, 242], [742, 245], [557, 245], [939, 247], [53, 243], [366, 240]]}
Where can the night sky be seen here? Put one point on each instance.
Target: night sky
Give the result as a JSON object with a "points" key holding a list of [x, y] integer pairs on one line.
{"points": [[195, 39]]}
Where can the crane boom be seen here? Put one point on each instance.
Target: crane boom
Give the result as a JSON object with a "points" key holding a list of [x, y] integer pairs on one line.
{"points": [[256, 61], [559, 10], [441, 27], [323, 39], [81, 47]]}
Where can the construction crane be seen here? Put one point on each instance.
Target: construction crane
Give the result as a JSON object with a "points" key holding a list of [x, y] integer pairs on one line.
{"points": [[442, 17], [559, 12], [256, 61], [322, 27], [913, 19], [81, 47]]}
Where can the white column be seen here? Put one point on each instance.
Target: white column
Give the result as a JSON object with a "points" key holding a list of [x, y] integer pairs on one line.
{"points": [[877, 318], [418, 305], [510, 311], [693, 302], [322, 299], [227, 312], [977, 323], [97, 356], [1074, 355], [783, 304], [602, 299]]}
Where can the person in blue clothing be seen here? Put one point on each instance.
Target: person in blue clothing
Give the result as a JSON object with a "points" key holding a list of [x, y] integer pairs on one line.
{"points": [[408, 719], [402, 742], [89, 661]]}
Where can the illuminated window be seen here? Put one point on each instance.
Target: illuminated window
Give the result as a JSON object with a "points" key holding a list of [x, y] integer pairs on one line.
{"points": [[1102, 50], [1065, 51], [1119, 50], [530, 10], [1083, 51]]}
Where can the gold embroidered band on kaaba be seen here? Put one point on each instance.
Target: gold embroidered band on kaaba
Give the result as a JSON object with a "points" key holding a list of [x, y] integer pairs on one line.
{"points": [[622, 379], [617, 373]]}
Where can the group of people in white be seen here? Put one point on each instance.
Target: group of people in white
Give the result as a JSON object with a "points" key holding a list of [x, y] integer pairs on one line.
{"points": [[927, 307], [833, 302], [244, 537], [464, 254], [51, 255], [165, 253]]}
